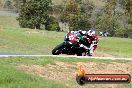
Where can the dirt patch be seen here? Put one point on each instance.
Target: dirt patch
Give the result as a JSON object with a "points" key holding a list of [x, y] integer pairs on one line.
{"points": [[67, 71], [103, 68], [59, 71], [3, 46], [34, 69]]}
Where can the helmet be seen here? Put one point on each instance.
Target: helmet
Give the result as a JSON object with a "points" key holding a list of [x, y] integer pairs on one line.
{"points": [[80, 31], [91, 32]]}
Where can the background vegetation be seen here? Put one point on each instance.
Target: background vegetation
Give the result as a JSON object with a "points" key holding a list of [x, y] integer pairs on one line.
{"points": [[114, 16]]}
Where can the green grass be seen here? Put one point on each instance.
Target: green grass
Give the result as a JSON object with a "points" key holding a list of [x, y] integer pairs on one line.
{"points": [[17, 40], [8, 22], [116, 46], [51, 60], [11, 77]]}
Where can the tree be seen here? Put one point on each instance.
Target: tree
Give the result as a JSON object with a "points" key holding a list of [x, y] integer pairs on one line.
{"points": [[16, 5], [129, 30], [108, 20], [0, 5], [75, 14], [87, 7], [8, 4], [127, 6], [70, 14], [34, 13], [128, 11], [52, 24], [86, 13]]}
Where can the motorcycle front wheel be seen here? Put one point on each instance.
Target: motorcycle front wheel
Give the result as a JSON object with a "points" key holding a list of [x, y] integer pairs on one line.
{"points": [[58, 49]]}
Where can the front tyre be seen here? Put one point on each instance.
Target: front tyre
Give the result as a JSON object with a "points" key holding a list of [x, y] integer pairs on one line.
{"points": [[81, 52], [58, 49]]}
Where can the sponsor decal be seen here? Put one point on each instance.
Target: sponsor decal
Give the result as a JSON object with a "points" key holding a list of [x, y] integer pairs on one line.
{"points": [[83, 78]]}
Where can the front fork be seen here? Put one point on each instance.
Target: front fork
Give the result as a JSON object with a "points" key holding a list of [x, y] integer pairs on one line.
{"points": [[89, 50]]}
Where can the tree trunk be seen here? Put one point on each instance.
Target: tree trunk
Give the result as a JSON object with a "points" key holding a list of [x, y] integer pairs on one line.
{"points": [[37, 26]]}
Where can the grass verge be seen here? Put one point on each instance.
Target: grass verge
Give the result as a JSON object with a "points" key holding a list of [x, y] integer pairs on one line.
{"points": [[12, 77], [116, 46]]}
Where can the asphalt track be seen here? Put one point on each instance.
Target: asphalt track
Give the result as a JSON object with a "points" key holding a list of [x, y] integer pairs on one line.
{"points": [[63, 56]]}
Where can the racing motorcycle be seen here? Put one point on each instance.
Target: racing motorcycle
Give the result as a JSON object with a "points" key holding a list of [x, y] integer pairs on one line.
{"points": [[70, 46]]}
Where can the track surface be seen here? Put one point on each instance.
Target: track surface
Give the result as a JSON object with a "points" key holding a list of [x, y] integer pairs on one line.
{"points": [[63, 56]]}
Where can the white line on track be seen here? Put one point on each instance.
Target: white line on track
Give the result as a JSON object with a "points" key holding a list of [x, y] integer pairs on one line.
{"points": [[64, 56]]}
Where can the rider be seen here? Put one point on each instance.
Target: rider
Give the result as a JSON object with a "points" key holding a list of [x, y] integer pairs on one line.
{"points": [[88, 40], [92, 40]]}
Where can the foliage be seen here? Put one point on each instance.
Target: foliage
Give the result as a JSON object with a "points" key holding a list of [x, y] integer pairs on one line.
{"points": [[114, 16], [129, 30], [74, 14], [16, 5], [128, 6], [34, 13], [0, 4], [52, 24], [8, 4], [106, 22], [128, 11], [102, 22], [87, 7], [70, 13], [83, 22]]}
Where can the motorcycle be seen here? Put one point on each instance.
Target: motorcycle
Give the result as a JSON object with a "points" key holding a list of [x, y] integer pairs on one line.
{"points": [[70, 46]]}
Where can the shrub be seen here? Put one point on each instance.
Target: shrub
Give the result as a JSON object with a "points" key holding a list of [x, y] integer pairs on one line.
{"points": [[34, 13], [52, 24]]}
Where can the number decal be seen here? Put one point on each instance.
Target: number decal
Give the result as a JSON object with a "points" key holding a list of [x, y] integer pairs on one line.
{"points": [[71, 37]]}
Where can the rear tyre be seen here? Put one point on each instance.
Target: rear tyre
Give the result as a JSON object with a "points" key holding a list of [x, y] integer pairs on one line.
{"points": [[58, 49]]}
